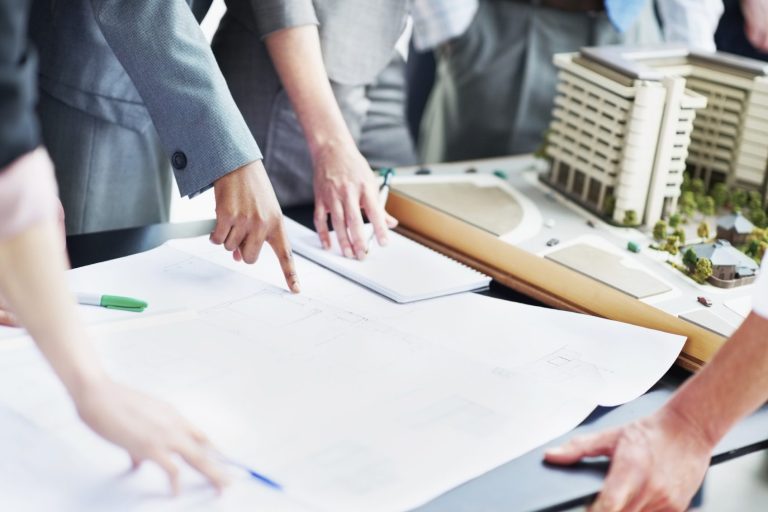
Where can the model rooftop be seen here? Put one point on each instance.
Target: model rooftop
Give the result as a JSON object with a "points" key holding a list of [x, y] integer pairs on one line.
{"points": [[737, 222], [722, 254]]}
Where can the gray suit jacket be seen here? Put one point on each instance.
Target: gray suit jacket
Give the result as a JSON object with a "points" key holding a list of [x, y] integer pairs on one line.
{"points": [[19, 130], [141, 61], [357, 36]]}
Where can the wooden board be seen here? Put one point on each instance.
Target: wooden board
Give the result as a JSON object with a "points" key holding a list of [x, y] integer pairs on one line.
{"points": [[541, 279]]}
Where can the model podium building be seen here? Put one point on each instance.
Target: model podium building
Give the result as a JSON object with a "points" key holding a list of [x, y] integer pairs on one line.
{"points": [[628, 122]]}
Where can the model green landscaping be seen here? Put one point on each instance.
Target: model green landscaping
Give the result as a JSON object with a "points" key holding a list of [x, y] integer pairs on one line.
{"points": [[726, 256]]}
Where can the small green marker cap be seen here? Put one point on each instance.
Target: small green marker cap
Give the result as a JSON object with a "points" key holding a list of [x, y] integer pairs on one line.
{"points": [[123, 303]]}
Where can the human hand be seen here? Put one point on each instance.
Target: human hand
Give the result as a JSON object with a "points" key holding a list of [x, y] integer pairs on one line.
{"points": [[658, 463], [344, 184], [756, 22], [7, 318], [147, 429], [247, 215]]}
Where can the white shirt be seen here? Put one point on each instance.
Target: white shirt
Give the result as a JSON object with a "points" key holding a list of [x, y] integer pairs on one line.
{"points": [[760, 291], [691, 22], [437, 21]]}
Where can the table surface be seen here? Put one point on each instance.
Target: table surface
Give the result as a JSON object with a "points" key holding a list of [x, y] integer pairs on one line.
{"points": [[523, 484]]}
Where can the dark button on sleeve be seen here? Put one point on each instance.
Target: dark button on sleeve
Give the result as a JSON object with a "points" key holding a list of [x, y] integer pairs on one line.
{"points": [[179, 160]]}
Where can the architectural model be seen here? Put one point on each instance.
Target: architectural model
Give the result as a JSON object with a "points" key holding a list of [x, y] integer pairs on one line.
{"points": [[629, 122], [730, 267]]}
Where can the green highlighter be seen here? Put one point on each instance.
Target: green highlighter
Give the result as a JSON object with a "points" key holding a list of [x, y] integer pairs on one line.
{"points": [[112, 302]]}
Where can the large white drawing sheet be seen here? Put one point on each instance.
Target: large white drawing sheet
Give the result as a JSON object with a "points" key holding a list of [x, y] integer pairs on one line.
{"points": [[349, 401]]}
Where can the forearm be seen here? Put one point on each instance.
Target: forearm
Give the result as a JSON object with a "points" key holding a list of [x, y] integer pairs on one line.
{"points": [[732, 385], [36, 291], [298, 59]]}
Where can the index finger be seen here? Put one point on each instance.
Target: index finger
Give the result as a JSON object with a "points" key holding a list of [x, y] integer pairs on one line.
{"points": [[591, 445], [279, 242], [195, 456], [374, 209], [354, 221], [220, 231]]}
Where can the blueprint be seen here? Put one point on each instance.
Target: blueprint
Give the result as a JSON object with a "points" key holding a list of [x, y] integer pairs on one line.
{"points": [[350, 401]]}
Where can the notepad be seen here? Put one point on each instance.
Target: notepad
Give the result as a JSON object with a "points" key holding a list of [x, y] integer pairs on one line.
{"points": [[404, 270]]}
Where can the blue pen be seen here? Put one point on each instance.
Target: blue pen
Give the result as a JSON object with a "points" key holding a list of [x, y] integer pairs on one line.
{"points": [[254, 474]]}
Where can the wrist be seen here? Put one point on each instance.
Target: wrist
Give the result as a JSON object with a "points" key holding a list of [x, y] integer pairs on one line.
{"points": [[324, 143], [678, 417], [82, 382]]}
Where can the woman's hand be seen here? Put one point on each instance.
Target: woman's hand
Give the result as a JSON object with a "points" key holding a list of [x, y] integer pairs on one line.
{"points": [[147, 429]]}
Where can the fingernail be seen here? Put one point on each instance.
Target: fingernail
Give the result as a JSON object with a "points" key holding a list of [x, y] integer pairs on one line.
{"points": [[557, 450], [384, 242], [348, 252], [296, 287]]}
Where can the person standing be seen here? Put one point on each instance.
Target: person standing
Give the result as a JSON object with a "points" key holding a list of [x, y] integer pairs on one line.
{"points": [[658, 462], [32, 265], [129, 88], [321, 87], [496, 81]]}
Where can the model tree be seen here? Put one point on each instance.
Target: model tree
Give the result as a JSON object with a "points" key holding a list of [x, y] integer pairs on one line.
{"points": [[680, 234], [703, 230], [686, 185], [720, 194], [697, 187], [758, 217], [754, 200], [609, 204], [630, 218], [690, 258], [707, 205], [660, 230], [687, 204], [674, 220], [672, 245], [738, 199], [757, 243], [703, 270]]}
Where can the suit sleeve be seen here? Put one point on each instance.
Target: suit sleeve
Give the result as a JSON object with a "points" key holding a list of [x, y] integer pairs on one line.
{"points": [[274, 15], [19, 129], [163, 50]]}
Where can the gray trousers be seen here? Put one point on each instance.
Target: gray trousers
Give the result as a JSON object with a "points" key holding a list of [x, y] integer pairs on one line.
{"points": [[374, 113], [495, 85], [109, 176]]}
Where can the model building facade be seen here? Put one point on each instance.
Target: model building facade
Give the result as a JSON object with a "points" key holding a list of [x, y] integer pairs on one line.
{"points": [[627, 123]]}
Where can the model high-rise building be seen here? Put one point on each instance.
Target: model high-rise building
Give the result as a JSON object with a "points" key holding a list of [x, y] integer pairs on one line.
{"points": [[628, 122]]}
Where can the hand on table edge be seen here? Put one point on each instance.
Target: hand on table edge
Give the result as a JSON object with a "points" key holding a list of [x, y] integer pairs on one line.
{"points": [[658, 462]]}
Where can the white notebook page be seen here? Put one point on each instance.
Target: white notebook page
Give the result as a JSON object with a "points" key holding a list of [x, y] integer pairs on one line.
{"points": [[404, 270]]}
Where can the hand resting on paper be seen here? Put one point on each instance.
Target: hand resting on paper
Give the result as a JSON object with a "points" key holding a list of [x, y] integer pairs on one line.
{"points": [[147, 429]]}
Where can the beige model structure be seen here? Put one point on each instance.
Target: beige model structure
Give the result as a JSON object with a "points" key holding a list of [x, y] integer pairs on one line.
{"points": [[628, 122]]}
